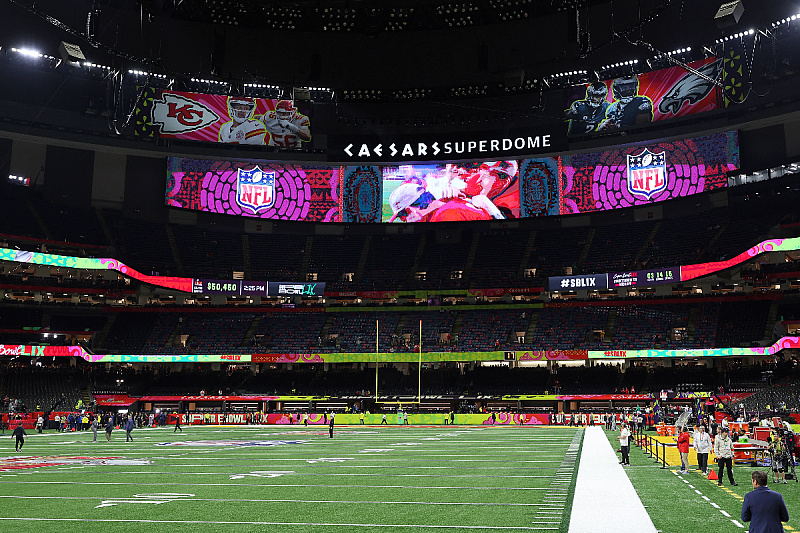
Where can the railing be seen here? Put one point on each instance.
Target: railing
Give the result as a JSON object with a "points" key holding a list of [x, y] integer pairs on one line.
{"points": [[650, 445]]}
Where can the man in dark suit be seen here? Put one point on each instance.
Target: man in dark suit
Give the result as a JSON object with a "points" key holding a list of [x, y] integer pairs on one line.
{"points": [[764, 508]]}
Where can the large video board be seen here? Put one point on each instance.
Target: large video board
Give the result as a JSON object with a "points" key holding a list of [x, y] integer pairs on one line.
{"points": [[450, 192], [465, 191], [640, 175], [638, 99], [225, 119], [256, 189]]}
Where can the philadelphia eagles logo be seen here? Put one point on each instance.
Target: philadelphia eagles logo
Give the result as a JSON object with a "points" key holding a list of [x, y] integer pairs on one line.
{"points": [[690, 88]]}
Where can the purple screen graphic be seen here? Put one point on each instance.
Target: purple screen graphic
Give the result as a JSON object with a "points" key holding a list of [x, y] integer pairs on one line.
{"points": [[261, 190], [661, 171]]}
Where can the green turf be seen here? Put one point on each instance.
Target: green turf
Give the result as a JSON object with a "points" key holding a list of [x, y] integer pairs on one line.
{"points": [[366, 479], [675, 507]]}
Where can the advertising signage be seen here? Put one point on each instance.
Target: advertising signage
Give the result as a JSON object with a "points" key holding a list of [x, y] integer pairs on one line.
{"points": [[589, 282], [644, 278], [295, 289], [257, 288], [446, 147]]}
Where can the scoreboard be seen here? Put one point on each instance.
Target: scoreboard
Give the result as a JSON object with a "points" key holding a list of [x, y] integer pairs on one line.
{"points": [[239, 287]]}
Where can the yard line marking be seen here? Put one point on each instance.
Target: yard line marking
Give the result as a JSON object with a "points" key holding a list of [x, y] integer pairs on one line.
{"points": [[240, 500], [266, 485], [318, 524], [706, 498], [725, 513], [737, 524], [698, 492], [381, 474], [714, 504]]}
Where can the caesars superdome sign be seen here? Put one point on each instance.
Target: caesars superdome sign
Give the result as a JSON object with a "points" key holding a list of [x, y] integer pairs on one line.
{"points": [[446, 146]]}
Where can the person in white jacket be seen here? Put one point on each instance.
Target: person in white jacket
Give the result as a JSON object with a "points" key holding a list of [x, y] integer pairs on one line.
{"points": [[702, 445]]}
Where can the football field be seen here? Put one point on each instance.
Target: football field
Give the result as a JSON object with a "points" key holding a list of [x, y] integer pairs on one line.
{"points": [[291, 478]]}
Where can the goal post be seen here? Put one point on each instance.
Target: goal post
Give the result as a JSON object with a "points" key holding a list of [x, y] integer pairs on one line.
{"points": [[377, 366]]}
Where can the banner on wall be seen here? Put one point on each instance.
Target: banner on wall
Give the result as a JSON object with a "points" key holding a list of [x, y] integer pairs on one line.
{"points": [[256, 189], [638, 99], [225, 119]]}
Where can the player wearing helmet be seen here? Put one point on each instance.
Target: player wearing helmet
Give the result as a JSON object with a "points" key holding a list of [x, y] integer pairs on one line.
{"points": [[286, 126], [242, 128], [585, 115], [629, 108]]}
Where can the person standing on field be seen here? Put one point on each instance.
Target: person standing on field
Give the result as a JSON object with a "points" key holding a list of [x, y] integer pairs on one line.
{"points": [[19, 436], [702, 445], [765, 509]]}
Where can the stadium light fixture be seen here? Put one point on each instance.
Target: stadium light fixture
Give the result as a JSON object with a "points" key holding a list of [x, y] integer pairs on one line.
{"points": [[27, 52]]}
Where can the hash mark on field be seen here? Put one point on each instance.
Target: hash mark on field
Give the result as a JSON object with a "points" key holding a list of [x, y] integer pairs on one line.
{"points": [[725, 513]]}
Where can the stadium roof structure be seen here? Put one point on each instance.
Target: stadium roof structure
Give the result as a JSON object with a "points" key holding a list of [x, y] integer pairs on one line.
{"points": [[333, 43]]}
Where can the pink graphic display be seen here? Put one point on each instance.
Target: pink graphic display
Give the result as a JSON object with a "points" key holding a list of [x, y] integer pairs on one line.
{"points": [[256, 189], [643, 175], [697, 270]]}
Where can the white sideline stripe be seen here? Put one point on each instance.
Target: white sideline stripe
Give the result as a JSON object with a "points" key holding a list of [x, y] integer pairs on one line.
{"points": [[240, 500], [603, 487], [325, 524], [263, 485]]}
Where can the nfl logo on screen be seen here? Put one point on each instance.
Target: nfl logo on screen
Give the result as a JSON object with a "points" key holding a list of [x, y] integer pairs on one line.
{"points": [[647, 173], [255, 189]]}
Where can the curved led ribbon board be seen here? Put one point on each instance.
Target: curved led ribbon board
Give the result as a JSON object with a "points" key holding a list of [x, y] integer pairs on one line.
{"points": [[688, 272], [77, 351], [88, 263]]}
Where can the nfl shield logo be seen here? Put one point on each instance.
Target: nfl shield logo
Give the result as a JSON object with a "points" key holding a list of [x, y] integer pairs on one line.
{"points": [[647, 173], [255, 189]]}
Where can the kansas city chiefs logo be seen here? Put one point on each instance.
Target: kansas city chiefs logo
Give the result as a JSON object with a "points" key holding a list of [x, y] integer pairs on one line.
{"points": [[174, 114], [647, 173], [255, 189]]}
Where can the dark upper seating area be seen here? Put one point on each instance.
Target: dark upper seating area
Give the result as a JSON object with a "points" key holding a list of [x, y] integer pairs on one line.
{"points": [[615, 248], [333, 258], [742, 323]]}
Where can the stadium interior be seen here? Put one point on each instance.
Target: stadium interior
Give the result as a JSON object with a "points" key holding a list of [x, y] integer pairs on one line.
{"points": [[84, 181], [250, 214]]}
